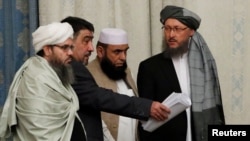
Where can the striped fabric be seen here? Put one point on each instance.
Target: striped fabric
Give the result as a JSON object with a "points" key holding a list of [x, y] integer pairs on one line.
{"points": [[205, 88]]}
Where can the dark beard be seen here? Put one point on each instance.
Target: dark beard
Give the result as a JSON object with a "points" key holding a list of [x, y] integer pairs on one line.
{"points": [[177, 51], [114, 73], [64, 72]]}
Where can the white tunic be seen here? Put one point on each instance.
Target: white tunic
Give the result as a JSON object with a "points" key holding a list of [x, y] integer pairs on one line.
{"points": [[127, 126], [181, 68]]}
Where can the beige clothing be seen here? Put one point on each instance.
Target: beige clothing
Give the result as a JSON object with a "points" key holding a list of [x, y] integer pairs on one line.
{"points": [[102, 80], [38, 105], [106, 133]]}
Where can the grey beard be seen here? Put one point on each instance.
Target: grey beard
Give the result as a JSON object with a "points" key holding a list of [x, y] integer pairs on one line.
{"points": [[64, 72], [177, 51]]}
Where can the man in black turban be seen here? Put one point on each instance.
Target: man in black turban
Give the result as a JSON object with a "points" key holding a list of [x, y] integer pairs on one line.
{"points": [[186, 66]]}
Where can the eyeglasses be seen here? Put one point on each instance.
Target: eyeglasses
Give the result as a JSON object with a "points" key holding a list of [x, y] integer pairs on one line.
{"points": [[65, 47], [175, 29]]}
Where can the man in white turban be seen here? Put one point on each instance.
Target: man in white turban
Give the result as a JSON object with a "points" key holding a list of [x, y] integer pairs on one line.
{"points": [[41, 104], [110, 71]]}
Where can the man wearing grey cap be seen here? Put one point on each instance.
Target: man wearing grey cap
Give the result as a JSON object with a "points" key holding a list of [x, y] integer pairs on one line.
{"points": [[41, 104], [186, 66], [110, 70]]}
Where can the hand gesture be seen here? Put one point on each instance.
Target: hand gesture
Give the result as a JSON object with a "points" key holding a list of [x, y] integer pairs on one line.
{"points": [[159, 111]]}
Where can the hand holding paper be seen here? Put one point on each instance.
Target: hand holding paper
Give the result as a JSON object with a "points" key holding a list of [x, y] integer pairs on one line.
{"points": [[177, 102], [159, 111]]}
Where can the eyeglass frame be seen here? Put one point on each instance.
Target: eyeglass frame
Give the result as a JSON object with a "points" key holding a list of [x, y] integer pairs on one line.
{"points": [[65, 47], [175, 29]]}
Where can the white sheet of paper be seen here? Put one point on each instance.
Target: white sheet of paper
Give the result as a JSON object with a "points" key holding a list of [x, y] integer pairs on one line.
{"points": [[177, 102]]}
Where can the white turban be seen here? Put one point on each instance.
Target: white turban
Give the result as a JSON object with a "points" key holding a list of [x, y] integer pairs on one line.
{"points": [[50, 34], [113, 36]]}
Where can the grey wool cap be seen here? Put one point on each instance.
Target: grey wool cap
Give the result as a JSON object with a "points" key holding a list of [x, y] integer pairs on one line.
{"points": [[185, 16]]}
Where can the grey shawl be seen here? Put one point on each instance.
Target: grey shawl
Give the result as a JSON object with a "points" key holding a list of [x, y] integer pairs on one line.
{"points": [[205, 88]]}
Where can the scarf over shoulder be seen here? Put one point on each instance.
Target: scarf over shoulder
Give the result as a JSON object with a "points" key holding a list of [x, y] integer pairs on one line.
{"points": [[38, 105], [205, 88]]}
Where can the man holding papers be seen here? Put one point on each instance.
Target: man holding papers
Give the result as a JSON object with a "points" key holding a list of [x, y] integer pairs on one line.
{"points": [[185, 67]]}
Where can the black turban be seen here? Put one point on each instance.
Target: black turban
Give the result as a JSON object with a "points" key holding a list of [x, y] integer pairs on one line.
{"points": [[185, 16]]}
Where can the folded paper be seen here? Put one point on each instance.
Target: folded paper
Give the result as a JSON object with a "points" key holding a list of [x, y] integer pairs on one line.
{"points": [[177, 102]]}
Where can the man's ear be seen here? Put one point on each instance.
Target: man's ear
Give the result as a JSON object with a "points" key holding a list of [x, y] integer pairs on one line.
{"points": [[47, 50], [192, 33], [100, 51]]}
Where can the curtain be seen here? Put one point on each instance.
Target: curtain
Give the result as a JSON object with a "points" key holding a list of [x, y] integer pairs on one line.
{"points": [[224, 27], [18, 19]]}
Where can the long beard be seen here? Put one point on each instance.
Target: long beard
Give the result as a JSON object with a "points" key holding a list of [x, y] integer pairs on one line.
{"points": [[64, 72], [183, 48], [113, 72]]}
